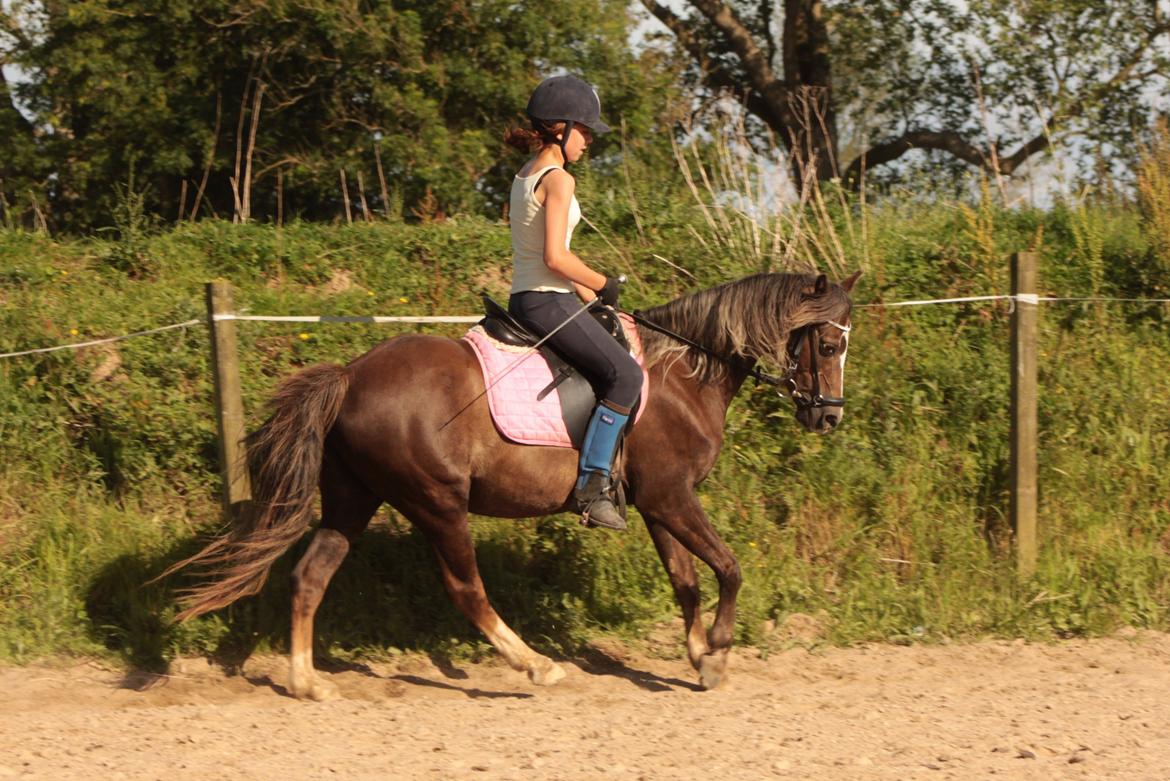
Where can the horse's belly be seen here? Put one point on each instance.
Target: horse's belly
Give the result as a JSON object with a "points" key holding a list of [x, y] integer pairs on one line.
{"points": [[521, 481]]}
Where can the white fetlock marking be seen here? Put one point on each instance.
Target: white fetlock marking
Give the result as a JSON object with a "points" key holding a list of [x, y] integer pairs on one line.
{"points": [[696, 642], [303, 680], [514, 650]]}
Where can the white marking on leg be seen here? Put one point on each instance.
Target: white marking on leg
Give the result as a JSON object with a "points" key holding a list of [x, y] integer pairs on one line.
{"points": [[519, 656], [697, 642]]}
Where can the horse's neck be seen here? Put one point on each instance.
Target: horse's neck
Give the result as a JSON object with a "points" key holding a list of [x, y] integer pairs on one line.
{"points": [[714, 396]]}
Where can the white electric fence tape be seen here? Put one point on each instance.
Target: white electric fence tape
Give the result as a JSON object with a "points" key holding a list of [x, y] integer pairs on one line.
{"points": [[1023, 298]]}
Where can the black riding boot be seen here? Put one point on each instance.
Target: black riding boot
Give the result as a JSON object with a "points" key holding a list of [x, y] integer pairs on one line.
{"points": [[595, 503]]}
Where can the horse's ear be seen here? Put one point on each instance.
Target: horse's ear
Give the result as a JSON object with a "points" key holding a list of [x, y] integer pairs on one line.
{"points": [[847, 283], [821, 286]]}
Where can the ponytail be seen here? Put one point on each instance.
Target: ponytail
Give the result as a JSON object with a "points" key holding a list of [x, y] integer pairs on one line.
{"points": [[529, 139]]}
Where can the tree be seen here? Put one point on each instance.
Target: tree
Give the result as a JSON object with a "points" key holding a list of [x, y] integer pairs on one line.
{"points": [[990, 84], [219, 105]]}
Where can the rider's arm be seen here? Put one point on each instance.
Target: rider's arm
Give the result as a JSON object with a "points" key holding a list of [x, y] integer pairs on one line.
{"points": [[558, 194]]}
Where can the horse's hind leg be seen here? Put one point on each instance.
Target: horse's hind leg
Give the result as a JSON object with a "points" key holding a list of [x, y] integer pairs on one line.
{"points": [[680, 567], [346, 510], [450, 535]]}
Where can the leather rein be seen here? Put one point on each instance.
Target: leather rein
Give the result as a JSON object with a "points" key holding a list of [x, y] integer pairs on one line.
{"points": [[796, 342]]}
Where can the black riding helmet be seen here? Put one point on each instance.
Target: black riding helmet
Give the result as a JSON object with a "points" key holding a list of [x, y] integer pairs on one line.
{"points": [[570, 100]]}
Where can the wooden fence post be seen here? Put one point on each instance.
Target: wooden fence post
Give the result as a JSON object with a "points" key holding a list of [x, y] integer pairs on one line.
{"points": [[1024, 423], [229, 404]]}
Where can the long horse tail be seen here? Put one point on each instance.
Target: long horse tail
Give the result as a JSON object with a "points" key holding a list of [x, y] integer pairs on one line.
{"points": [[284, 458]]}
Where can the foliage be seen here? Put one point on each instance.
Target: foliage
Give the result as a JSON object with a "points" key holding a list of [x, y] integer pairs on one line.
{"points": [[412, 94], [1154, 191], [988, 84], [891, 527]]}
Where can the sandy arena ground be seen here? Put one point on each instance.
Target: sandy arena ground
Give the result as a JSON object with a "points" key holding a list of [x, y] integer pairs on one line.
{"points": [[995, 710]]}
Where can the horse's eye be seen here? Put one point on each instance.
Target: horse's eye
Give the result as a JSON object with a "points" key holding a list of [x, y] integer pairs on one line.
{"points": [[828, 349]]}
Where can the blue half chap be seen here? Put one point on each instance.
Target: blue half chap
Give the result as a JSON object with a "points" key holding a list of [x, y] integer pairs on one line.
{"points": [[601, 438]]}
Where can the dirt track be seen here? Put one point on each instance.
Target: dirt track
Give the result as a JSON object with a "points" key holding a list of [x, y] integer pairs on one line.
{"points": [[1094, 710]]}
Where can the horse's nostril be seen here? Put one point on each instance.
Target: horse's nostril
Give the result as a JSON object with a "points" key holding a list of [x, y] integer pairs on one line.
{"points": [[831, 421]]}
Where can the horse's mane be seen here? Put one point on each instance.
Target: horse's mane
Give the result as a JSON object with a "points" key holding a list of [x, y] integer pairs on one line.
{"points": [[750, 318]]}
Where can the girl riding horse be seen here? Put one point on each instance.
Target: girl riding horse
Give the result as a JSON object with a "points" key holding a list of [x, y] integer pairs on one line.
{"points": [[565, 112]]}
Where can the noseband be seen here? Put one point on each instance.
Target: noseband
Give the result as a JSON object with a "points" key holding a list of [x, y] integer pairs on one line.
{"points": [[796, 342]]}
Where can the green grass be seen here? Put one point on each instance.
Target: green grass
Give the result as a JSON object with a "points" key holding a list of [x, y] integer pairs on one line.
{"points": [[894, 526]]}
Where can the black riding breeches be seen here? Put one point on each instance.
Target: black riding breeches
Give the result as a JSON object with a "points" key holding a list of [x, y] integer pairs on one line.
{"points": [[584, 343]]}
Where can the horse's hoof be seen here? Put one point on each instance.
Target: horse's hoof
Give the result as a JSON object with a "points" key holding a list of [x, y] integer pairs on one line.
{"points": [[318, 691], [713, 670], [545, 673]]}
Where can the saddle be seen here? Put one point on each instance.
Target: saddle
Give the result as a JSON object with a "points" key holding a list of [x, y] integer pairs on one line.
{"points": [[529, 385]]}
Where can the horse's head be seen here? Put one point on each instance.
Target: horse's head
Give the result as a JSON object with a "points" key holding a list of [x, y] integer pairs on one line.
{"points": [[816, 354]]}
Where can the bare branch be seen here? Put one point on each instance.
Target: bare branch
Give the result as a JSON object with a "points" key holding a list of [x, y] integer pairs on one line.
{"points": [[946, 141], [715, 75], [755, 62]]}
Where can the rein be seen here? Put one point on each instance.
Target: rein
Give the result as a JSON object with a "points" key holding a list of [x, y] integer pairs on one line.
{"points": [[768, 379], [795, 344]]}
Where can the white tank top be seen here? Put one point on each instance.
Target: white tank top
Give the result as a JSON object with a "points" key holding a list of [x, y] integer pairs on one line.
{"points": [[527, 216]]}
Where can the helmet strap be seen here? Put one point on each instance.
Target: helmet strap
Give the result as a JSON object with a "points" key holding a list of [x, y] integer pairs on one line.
{"points": [[565, 140]]}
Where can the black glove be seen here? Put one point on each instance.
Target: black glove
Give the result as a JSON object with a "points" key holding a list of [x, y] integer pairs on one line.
{"points": [[608, 294]]}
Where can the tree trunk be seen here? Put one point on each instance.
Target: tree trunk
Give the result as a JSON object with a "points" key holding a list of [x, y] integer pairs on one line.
{"points": [[797, 106], [812, 133]]}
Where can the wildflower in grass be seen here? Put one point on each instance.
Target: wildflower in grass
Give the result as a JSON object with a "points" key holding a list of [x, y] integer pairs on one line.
{"points": [[73, 332], [304, 336], [403, 300]]}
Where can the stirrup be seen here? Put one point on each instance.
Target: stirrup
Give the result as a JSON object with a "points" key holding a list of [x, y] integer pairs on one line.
{"points": [[596, 506]]}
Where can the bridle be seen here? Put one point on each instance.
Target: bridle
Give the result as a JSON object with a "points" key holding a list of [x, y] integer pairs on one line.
{"points": [[796, 341]]}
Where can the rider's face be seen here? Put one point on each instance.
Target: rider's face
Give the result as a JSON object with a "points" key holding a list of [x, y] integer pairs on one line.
{"points": [[579, 140]]}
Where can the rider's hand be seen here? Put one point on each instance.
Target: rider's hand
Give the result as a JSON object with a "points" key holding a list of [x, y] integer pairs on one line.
{"points": [[608, 294]]}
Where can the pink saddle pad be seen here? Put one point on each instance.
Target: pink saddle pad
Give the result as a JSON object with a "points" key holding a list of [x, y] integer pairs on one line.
{"points": [[517, 413]]}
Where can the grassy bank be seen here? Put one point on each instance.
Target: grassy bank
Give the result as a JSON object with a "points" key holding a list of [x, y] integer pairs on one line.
{"points": [[892, 527]]}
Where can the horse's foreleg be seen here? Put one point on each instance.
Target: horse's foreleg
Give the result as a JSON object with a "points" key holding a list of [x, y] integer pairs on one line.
{"points": [[451, 538], [680, 567], [685, 520]]}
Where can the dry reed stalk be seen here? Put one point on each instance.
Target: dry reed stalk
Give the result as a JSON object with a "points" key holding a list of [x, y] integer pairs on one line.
{"points": [[345, 197], [987, 129], [681, 158], [41, 223], [626, 260], [629, 186], [748, 221], [1153, 179], [673, 265]]}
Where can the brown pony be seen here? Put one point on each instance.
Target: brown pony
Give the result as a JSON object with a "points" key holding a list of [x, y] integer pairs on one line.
{"points": [[373, 432]]}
